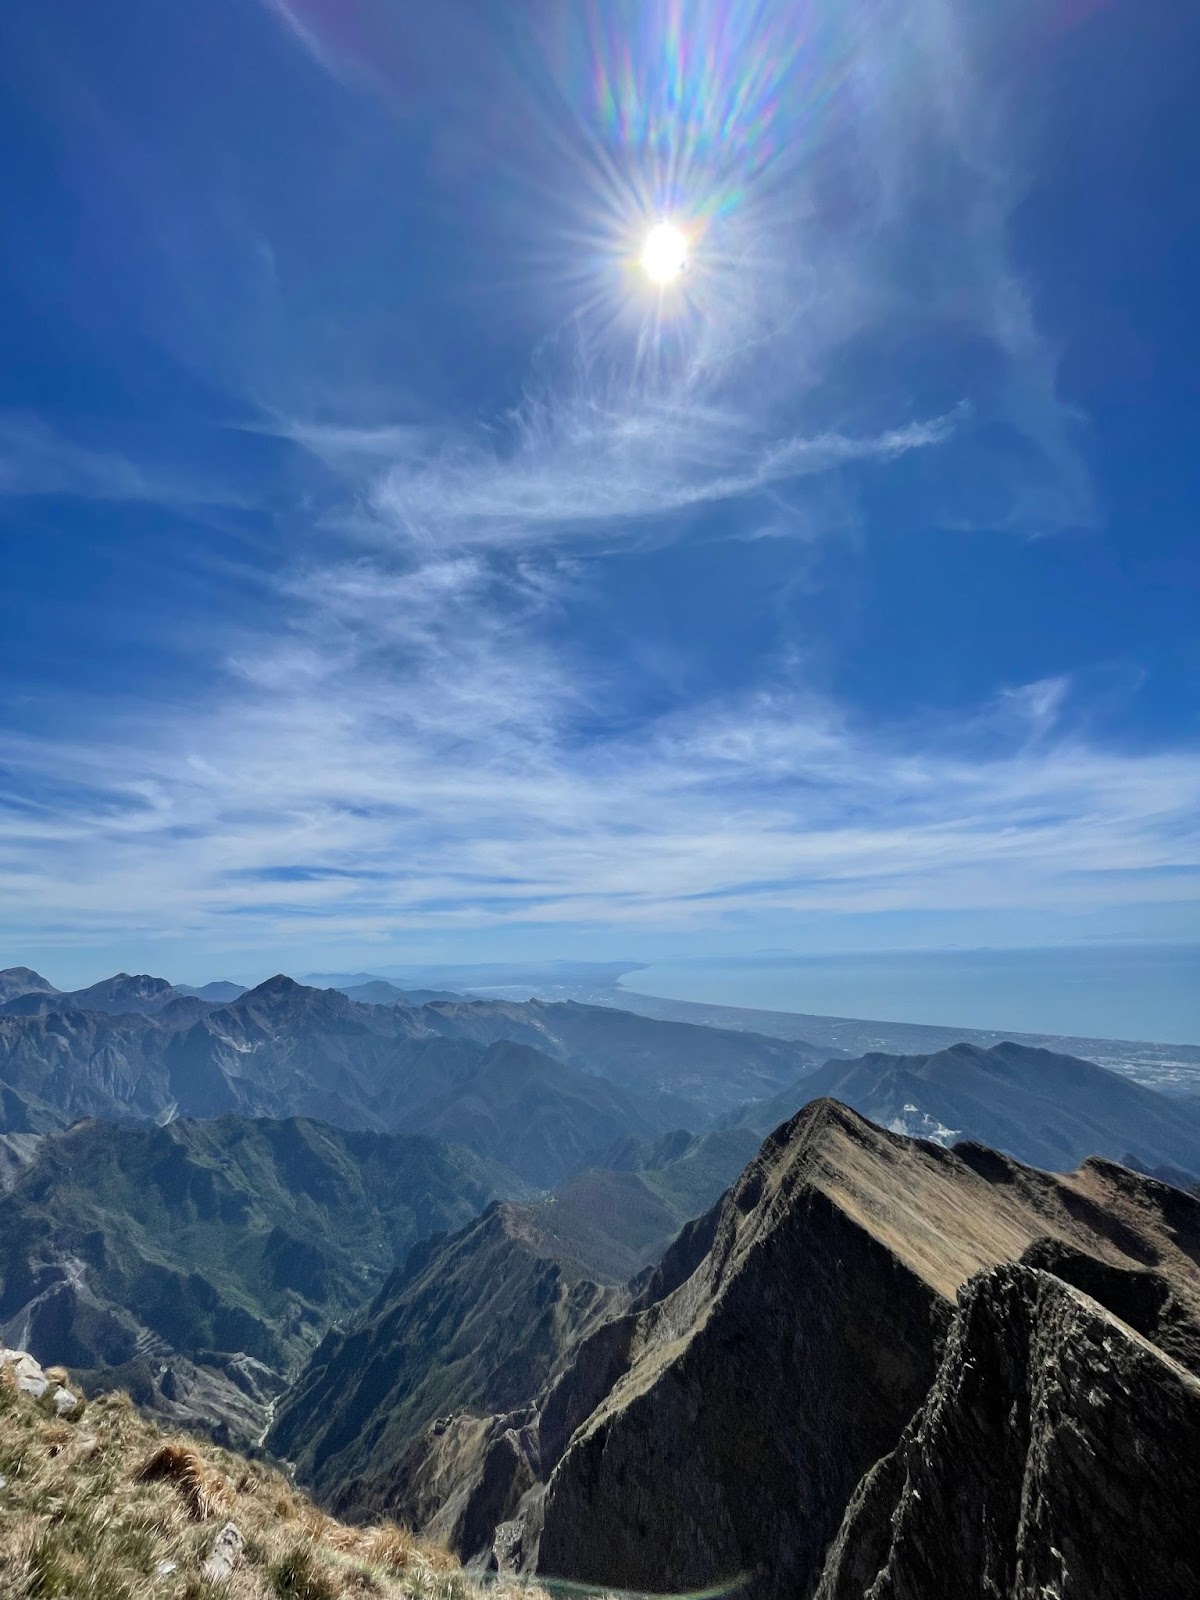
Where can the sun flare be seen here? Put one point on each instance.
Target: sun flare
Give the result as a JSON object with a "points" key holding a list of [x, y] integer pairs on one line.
{"points": [[665, 253]]}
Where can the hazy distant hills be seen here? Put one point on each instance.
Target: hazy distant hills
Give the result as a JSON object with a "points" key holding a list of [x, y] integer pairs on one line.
{"points": [[18, 981], [117, 995], [1046, 1109], [204, 1259], [218, 993], [378, 992], [619, 1215], [575, 1079], [545, 1087], [714, 1068], [544, 1118]]}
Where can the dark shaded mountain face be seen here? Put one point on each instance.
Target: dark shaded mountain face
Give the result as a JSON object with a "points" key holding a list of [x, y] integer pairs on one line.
{"points": [[17, 981], [727, 1422], [1055, 1455], [201, 1262], [476, 1322], [766, 1378], [392, 1413], [1049, 1110]]}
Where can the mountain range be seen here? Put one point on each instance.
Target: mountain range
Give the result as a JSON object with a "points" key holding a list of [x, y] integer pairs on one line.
{"points": [[1047, 1109], [757, 1410], [527, 1276], [198, 1263], [546, 1086]]}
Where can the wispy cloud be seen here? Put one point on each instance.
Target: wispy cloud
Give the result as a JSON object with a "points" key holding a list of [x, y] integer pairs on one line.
{"points": [[413, 745], [307, 36], [411, 760], [568, 471]]}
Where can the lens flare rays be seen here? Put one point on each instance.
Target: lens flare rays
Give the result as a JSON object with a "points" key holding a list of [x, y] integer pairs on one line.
{"points": [[678, 120]]}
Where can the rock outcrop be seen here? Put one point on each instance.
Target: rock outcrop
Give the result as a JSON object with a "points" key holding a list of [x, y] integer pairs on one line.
{"points": [[1057, 1457], [29, 1377], [734, 1410], [775, 1368]]}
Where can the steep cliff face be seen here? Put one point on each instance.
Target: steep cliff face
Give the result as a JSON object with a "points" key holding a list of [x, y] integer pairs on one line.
{"points": [[1057, 1456], [735, 1409], [476, 1322]]}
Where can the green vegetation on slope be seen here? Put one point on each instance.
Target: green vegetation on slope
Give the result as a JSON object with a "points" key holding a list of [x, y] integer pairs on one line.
{"points": [[126, 1246]]}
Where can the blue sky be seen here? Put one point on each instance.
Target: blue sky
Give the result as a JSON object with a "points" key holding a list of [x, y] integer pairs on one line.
{"points": [[393, 573]]}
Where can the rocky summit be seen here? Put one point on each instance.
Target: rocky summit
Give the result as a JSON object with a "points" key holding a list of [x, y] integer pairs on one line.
{"points": [[757, 1385], [1055, 1455], [814, 1361]]}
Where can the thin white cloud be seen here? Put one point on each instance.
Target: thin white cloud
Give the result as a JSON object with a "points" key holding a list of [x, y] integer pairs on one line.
{"points": [[414, 748], [424, 770], [595, 469], [309, 38]]}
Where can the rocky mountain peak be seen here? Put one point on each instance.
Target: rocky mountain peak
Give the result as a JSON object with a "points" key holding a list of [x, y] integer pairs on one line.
{"points": [[15, 981], [1055, 1455], [765, 1366]]}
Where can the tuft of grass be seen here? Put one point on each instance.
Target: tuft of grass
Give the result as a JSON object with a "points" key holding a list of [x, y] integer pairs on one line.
{"points": [[113, 1508], [204, 1492], [295, 1576]]}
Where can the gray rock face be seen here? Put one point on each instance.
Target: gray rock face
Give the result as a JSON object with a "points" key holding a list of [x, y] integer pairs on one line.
{"points": [[16, 981], [226, 1553], [31, 1379], [756, 1386], [1057, 1457], [463, 1072], [712, 1452]]}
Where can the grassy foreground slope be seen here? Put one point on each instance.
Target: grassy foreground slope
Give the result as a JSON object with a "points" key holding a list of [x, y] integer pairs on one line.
{"points": [[102, 1505]]}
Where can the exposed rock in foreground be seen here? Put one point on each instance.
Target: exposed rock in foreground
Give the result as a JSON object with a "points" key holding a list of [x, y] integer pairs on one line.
{"points": [[755, 1385], [97, 1502], [718, 1429], [1056, 1456]]}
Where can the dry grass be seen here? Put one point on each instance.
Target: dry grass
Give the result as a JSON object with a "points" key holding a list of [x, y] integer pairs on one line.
{"points": [[107, 1508]]}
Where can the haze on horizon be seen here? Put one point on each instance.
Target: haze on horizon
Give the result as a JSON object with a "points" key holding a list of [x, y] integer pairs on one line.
{"points": [[628, 481]]}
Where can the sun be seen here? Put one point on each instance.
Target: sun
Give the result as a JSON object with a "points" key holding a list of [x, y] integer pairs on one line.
{"points": [[665, 253]]}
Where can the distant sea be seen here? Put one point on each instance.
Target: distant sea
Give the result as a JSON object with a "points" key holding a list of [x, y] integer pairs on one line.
{"points": [[1145, 991]]}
